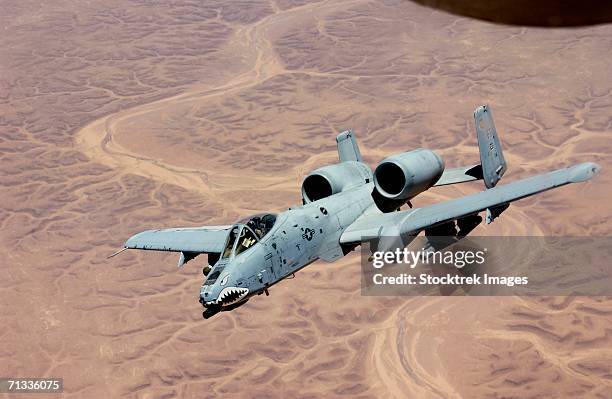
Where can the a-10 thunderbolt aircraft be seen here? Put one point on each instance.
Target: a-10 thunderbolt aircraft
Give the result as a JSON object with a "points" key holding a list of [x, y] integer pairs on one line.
{"points": [[344, 205]]}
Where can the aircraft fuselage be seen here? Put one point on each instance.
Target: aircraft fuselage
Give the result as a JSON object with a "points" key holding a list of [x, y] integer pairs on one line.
{"points": [[300, 236]]}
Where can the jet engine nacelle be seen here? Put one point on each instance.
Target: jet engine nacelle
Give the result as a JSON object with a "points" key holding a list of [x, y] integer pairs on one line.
{"points": [[332, 179], [403, 176]]}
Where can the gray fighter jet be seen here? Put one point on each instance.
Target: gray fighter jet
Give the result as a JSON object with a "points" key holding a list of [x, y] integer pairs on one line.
{"points": [[344, 205]]}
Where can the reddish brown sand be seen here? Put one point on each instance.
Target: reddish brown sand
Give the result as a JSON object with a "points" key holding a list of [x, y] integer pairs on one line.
{"points": [[118, 116]]}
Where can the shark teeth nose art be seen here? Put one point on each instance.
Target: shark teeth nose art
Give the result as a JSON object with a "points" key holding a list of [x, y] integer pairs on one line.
{"points": [[231, 295]]}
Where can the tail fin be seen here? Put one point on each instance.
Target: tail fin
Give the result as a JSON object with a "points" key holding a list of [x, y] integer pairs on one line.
{"points": [[491, 155], [348, 150]]}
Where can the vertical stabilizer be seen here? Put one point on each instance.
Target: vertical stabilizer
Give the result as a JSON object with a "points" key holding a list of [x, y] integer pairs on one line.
{"points": [[491, 156], [348, 150]]}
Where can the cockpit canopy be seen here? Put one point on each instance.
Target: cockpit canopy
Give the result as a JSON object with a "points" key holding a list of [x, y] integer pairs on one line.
{"points": [[243, 235], [247, 232]]}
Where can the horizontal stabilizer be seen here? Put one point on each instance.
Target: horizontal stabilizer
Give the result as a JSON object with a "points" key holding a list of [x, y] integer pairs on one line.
{"points": [[460, 175]]}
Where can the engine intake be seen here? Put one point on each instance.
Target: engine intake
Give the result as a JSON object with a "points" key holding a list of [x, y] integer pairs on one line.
{"points": [[332, 179], [403, 176]]}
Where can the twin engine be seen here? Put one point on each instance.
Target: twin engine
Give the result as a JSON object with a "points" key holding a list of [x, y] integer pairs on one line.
{"points": [[403, 176], [397, 178]]}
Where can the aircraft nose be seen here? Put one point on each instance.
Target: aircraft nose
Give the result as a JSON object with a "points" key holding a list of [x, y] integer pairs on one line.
{"points": [[203, 297], [207, 295]]}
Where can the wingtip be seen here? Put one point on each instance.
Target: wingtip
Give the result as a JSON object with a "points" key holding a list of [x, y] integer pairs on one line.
{"points": [[583, 172]]}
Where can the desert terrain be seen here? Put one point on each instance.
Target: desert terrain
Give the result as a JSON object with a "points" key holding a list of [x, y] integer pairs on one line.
{"points": [[121, 116]]}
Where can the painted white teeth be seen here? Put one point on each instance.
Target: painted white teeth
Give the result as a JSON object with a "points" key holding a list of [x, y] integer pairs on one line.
{"points": [[234, 294]]}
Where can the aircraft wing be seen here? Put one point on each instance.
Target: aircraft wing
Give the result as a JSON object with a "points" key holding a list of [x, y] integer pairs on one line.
{"points": [[206, 239], [411, 222]]}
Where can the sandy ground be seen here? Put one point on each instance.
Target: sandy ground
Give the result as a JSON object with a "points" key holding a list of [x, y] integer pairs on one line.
{"points": [[120, 116]]}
